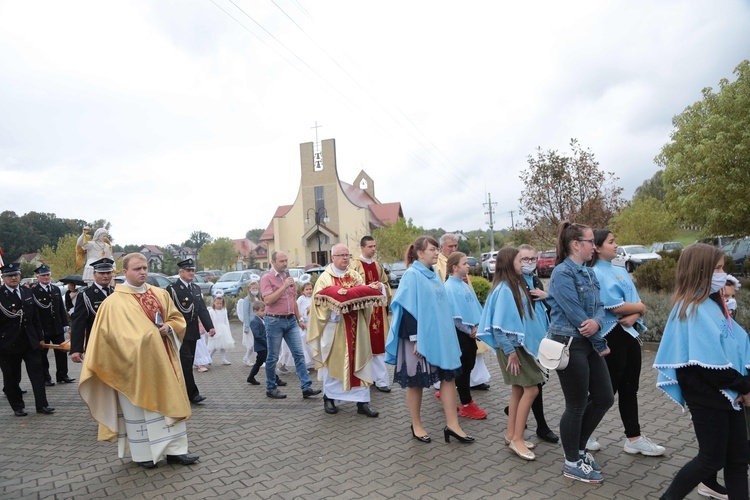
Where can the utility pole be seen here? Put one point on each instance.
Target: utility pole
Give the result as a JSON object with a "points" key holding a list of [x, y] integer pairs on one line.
{"points": [[512, 226], [491, 212]]}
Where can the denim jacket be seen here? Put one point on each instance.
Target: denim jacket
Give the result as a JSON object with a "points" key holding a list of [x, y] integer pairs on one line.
{"points": [[574, 298]]}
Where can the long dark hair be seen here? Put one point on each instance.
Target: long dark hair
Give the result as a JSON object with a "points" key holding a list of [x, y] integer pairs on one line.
{"points": [[567, 232], [600, 236], [506, 271], [420, 244]]}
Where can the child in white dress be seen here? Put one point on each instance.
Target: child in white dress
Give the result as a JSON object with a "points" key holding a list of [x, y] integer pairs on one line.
{"points": [[253, 295], [222, 339]]}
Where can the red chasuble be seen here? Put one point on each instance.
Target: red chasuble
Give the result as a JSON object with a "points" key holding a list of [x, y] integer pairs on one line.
{"points": [[377, 330]]}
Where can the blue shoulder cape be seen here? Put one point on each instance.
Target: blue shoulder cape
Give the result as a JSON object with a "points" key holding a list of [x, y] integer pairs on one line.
{"points": [[616, 288], [421, 292], [501, 324], [705, 338], [464, 303]]}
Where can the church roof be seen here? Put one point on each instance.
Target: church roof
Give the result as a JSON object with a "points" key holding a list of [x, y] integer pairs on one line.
{"points": [[356, 195], [386, 213], [281, 211]]}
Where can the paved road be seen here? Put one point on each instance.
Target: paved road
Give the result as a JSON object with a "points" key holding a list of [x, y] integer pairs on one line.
{"points": [[255, 447]]}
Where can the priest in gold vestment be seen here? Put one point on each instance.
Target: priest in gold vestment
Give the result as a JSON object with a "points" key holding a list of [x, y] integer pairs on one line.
{"points": [[132, 379], [372, 272], [341, 342]]}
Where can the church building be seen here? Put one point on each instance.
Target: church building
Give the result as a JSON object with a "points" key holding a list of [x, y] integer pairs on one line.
{"points": [[327, 211]]}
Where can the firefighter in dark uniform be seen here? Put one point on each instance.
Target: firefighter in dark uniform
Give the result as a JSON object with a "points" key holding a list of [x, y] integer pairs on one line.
{"points": [[51, 309], [21, 339], [88, 302], [189, 300]]}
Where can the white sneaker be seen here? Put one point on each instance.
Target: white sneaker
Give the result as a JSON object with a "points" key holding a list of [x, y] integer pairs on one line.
{"points": [[644, 446], [593, 445], [708, 492]]}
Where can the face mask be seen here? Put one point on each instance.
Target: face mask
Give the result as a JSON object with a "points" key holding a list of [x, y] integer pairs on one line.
{"points": [[718, 280], [732, 304], [529, 268], [254, 292]]}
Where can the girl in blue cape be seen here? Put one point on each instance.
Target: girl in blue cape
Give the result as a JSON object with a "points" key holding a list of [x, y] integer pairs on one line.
{"points": [[422, 340], [622, 312], [509, 325], [702, 360], [466, 311]]}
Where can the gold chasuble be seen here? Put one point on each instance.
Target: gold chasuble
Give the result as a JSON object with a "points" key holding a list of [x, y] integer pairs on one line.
{"points": [[342, 347], [375, 273], [127, 354]]}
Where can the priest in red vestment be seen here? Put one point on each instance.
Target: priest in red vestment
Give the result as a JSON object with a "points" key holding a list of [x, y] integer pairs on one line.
{"points": [[373, 273]]}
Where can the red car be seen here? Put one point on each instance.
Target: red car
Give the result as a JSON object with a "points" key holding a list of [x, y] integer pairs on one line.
{"points": [[545, 263]]}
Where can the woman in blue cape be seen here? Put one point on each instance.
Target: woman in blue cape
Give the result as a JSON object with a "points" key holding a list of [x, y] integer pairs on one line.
{"points": [[703, 360], [508, 324], [466, 312], [422, 341], [623, 310]]}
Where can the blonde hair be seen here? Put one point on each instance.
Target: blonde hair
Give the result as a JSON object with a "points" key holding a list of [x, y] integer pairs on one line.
{"points": [[695, 270], [135, 255]]}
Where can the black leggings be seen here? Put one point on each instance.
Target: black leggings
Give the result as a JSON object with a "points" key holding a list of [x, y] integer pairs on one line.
{"points": [[586, 374], [624, 365], [468, 360], [722, 443]]}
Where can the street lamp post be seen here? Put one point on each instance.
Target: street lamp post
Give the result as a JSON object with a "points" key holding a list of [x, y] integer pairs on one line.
{"points": [[479, 244], [319, 215]]}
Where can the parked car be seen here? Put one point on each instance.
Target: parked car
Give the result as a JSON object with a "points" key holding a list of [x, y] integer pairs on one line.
{"points": [[668, 246], [233, 281], [397, 271], [314, 272], [296, 272], [717, 241], [475, 266], [632, 256], [211, 275], [545, 263], [154, 279], [738, 250], [202, 283], [488, 266]]}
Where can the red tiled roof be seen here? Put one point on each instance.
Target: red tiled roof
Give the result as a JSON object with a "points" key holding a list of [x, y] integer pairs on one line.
{"points": [[153, 249], [281, 211], [356, 195], [385, 213]]}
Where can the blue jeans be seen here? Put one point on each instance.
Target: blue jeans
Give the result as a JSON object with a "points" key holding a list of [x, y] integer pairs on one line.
{"points": [[287, 329]]}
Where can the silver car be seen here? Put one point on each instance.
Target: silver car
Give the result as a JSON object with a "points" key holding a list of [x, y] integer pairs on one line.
{"points": [[203, 284], [632, 256]]}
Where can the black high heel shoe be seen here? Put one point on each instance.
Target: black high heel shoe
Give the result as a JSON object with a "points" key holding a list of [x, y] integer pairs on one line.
{"points": [[423, 439], [448, 432]]}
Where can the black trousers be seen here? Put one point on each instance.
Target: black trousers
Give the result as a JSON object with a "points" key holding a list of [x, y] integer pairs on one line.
{"points": [[10, 363], [586, 374], [468, 360], [259, 360], [722, 444], [61, 358], [187, 358], [624, 365]]}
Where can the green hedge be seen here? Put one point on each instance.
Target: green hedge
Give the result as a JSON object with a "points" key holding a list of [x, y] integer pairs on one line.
{"points": [[481, 287]]}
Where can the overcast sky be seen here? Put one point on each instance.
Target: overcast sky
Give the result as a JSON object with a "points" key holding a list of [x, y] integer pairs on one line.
{"points": [[166, 117]]}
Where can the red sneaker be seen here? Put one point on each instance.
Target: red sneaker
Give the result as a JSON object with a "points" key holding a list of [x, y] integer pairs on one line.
{"points": [[437, 394], [472, 411]]}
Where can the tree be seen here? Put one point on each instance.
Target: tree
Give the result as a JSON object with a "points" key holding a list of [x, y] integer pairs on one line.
{"points": [[707, 161], [393, 239], [197, 240], [254, 235], [169, 264], [560, 187], [62, 258], [652, 188], [219, 254], [643, 222]]}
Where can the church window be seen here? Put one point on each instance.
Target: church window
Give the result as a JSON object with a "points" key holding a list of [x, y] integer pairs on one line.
{"points": [[363, 184], [319, 198]]}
